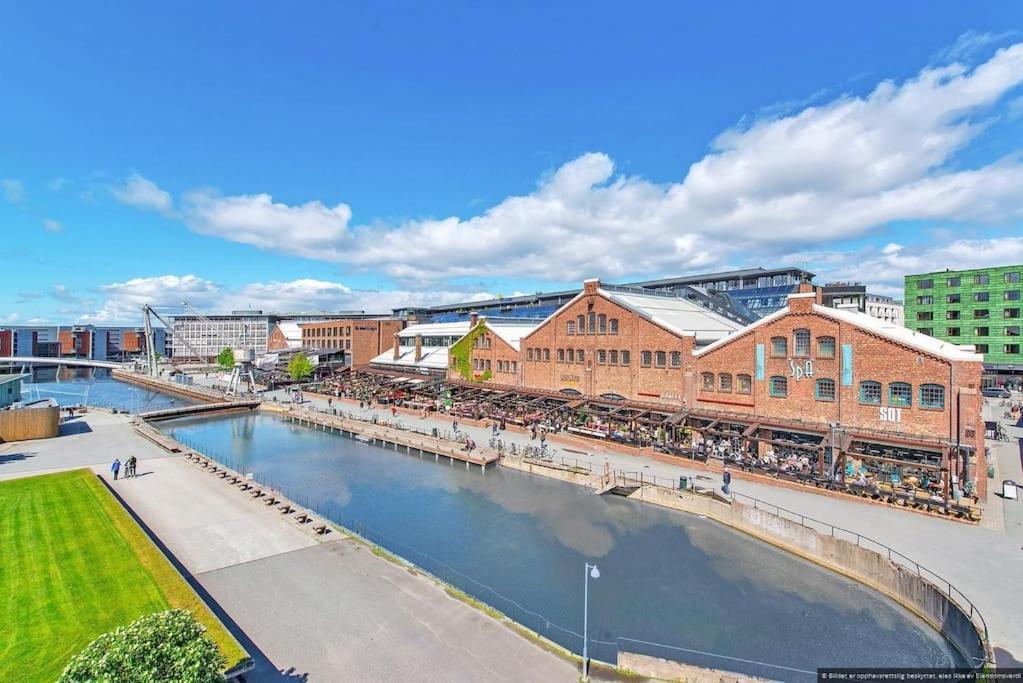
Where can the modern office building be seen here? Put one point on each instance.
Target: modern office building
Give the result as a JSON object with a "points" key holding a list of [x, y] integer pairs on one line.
{"points": [[739, 295], [78, 341], [854, 295], [361, 339], [979, 307]]}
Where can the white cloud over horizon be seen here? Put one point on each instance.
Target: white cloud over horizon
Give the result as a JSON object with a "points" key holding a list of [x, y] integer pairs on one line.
{"points": [[799, 181], [143, 193]]}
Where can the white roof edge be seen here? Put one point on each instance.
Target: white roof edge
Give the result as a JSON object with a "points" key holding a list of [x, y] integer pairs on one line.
{"points": [[803, 295], [555, 314], [741, 331]]}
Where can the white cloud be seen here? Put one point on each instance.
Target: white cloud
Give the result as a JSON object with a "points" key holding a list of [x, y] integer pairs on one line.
{"points": [[968, 44], [9, 319], [124, 300], [143, 193], [14, 190], [826, 173], [57, 184], [51, 225]]}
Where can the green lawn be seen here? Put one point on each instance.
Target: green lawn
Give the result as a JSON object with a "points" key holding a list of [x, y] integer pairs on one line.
{"points": [[74, 565]]}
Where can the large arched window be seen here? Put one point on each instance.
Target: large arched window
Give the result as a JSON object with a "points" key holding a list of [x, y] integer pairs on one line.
{"points": [[932, 396], [602, 324], [570, 355], [824, 390], [779, 347], [707, 381], [613, 326], [900, 394], [592, 328], [580, 322], [570, 328], [561, 355], [870, 392], [580, 356], [547, 355]]}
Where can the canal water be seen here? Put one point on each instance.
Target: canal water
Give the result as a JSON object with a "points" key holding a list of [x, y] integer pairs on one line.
{"points": [[519, 543], [95, 387]]}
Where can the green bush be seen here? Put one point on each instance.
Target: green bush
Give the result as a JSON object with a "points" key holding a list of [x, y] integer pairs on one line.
{"points": [[165, 646], [225, 359]]}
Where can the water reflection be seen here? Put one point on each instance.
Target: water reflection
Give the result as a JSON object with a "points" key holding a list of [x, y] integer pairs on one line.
{"points": [[666, 577], [95, 387]]}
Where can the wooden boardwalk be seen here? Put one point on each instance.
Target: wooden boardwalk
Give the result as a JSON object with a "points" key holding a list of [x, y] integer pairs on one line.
{"points": [[200, 409]]}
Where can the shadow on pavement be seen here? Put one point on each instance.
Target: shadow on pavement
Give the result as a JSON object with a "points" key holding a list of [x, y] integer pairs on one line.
{"points": [[69, 428], [264, 669], [15, 457]]}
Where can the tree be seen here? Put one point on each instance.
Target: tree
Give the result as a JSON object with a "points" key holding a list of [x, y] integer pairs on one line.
{"points": [[225, 359], [300, 367], [165, 646]]}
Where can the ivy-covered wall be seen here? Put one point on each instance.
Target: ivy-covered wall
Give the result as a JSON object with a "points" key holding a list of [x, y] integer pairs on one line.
{"points": [[461, 351]]}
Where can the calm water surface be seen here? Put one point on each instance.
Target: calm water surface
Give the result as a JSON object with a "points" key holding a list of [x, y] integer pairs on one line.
{"points": [[95, 387], [520, 542]]}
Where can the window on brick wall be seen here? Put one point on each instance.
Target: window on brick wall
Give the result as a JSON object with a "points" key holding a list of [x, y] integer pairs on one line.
{"points": [[547, 355], [676, 359], [870, 392], [601, 357], [570, 327], [569, 355], [580, 321], [580, 355], [646, 359], [779, 386], [561, 355], [626, 357], [826, 347], [602, 324], [529, 354], [707, 381], [592, 327], [612, 357], [932, 396], [660, 359], [801, 343], [514, 365], [900, 394], [824, 389], [779, 347], [744, 384], [612, 326], [725, 382]]}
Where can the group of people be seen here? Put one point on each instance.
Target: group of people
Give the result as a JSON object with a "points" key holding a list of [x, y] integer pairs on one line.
{"points": [[129, 467]]}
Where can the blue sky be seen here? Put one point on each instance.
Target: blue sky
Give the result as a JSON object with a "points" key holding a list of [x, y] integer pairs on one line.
{"points": [[368, 155]]}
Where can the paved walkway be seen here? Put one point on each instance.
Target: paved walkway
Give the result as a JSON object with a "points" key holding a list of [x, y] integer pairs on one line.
{"points": [[986, 564], [306, 608]]}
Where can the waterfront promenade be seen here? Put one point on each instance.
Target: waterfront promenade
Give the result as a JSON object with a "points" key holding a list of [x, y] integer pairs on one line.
{"points": [[978, 560], [305, 607]]}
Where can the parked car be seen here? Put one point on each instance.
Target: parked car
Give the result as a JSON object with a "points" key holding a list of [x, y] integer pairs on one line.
{"points": [[996, 392]]}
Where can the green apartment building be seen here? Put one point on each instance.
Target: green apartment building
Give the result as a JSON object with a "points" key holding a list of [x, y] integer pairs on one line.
{"points": [[979, 307]]}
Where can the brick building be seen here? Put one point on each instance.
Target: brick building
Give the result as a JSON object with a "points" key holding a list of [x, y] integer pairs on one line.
{"points": [[6, 343], [849, 388], [620, 343], [490, 352], [362, 339]]}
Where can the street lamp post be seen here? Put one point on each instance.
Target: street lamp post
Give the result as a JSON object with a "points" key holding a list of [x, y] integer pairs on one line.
{"points": [[590, 571]]}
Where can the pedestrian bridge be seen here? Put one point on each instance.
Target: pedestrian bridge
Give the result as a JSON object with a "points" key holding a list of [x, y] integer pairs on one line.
{"points": [[69, 362]]}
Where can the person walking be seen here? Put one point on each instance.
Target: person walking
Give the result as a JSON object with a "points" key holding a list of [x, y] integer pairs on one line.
{"points": [[115, 467], [726, 478], [132, 464]]}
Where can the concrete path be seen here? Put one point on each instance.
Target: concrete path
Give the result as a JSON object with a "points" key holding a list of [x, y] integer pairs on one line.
{"points": [[986, 564], [306, 608]]}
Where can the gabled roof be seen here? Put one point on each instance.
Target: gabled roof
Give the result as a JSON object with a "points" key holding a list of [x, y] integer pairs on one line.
{"points": [[895, 333], [291, 331], [455, 329], [434, 357], [512, 331], [680, 316]]}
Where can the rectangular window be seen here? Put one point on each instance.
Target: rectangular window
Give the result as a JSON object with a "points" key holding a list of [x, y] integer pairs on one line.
{"points": [[779, 347], [981, 331], [725, 382], [707, 380], [660, 359], [602, 324], [900, 394], [980, 314], [925, 300], [612, 357], [981, 348], [954, 298], [676, 359], [925, 284], [1012, 349], [580, 356], [744, 384], [951, 315], [825, 390], [980, 279], [601, 357], [870, 392], [1011, 278], [514, 365], [952, 331], [1012, 331], [1011, 295], [561, 355], [570, 328], [925, 315], [801, 343], [591, 327], [547, 355], [779, 387], [569, 355], [982, 296], [929, 331], [613, 326], [1010, 313], [826, 347], [932, 396], [626, 357], [646, 359], [529, 354], [954, 281]]}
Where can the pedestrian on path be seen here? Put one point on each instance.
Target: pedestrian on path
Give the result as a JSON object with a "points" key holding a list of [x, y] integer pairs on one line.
{"points": [[726, 478], [115, 468], [132, 464]]}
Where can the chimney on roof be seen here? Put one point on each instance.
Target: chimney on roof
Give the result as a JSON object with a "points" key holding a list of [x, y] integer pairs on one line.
{"points": [[419, 347], [591, 286], [474, 319], [397, 342]]}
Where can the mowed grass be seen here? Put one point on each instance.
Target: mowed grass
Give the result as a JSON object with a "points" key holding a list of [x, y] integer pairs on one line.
{"points": [[74, 565]]}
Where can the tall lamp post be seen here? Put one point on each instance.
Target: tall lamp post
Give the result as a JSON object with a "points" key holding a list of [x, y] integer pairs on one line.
{"points": [[591, 571]]}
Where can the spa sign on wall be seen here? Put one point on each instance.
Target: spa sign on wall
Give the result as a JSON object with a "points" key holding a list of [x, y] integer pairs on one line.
{"points": [[801, 369]]}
